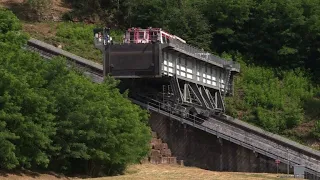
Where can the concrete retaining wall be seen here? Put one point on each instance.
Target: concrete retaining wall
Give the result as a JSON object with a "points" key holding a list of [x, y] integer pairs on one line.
{"points": [[200, 149]]}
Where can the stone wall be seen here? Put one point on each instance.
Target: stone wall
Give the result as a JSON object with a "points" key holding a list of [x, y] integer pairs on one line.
{"points": [[201, 149]]}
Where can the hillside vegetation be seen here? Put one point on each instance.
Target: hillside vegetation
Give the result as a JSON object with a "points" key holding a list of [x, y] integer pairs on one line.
{"points": [[275, 41], [280, 34], [55, 118], [64, 122]]}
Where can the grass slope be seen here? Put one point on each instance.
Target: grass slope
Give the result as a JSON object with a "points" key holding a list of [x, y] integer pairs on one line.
{"points": [[155, 172], [72, 37]]}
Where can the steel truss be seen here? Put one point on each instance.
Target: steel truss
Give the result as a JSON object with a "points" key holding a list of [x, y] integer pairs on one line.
{"points": [[189, 94]]}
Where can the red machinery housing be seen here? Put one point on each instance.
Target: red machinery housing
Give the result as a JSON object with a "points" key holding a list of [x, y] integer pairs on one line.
{"points": [[138, 36]]}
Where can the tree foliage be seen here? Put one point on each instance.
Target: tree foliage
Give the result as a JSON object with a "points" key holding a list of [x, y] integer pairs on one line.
{"points": [[276, 33], [8, 22], [56, 118], [176, 17], [276, 40], [97, 124], [265, 99]]}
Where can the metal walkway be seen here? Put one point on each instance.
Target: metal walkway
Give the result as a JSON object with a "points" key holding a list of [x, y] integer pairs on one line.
{"points": [[233, 130]]}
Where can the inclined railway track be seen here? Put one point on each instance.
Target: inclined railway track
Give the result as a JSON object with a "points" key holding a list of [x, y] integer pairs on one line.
{"points": [[230, 129]]}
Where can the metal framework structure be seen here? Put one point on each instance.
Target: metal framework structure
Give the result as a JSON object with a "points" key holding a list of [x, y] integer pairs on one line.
{"points": [[190, 94], [192, 79], [230, 129]]}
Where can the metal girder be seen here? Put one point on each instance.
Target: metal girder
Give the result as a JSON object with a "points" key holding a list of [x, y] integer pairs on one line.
{"points": [[212, 100], [176, 89], [206, 97], [196, 95], [190, 96], [197, 91]]}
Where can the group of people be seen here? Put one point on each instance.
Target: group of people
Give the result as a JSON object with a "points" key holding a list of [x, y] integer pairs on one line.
{"points": [[106, 40]]}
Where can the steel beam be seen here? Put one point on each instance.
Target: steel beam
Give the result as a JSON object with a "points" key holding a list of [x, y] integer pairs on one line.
{"points": [[205, 96]]}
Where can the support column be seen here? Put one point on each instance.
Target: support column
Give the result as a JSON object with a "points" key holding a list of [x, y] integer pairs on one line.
{"points": [[221, 154], [161, 58], [106, 60], [194, 69], [175, 62], [176, 88]]}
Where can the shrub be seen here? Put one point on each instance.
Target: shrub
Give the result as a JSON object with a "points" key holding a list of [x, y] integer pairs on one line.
{"points": [[271, 102], [8, 21]]}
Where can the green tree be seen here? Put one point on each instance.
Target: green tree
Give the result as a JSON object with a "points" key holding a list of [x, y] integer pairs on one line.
{"points": [[53, 115], [96, 124], [26, 106], [277, 33]]}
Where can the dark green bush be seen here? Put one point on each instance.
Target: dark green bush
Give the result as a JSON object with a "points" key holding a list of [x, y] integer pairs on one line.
{"points": [[8, 21]]}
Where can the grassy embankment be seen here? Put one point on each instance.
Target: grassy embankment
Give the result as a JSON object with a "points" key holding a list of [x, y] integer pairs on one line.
{"points": [[74, 37], [159, 172]]}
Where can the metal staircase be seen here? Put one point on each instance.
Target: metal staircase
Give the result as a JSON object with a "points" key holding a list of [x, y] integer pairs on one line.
{"points": [[227, 79]]}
